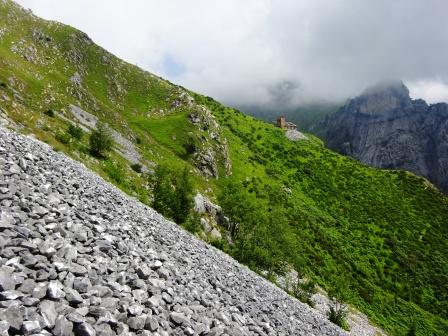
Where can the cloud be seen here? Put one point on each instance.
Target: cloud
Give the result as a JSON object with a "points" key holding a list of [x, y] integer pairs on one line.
{"points": [[274, 53], [433, 91]]}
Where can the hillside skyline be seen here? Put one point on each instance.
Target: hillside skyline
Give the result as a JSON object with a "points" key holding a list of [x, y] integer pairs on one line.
{"points": [[272, 53]]}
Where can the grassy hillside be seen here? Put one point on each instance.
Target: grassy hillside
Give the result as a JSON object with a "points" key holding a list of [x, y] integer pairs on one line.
{"points": [[380, 234]]}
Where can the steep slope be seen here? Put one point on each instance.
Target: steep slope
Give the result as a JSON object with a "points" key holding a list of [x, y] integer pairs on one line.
{"points": [[79, 256], [286, 204], [384, 128]]}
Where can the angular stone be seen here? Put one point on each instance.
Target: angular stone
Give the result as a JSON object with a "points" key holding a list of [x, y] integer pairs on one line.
{"points": [[144, 272], [13, 316], [77, 269], [104, 329], [4, 326], [40, 290], [72, 296], [10, 295], [110, 302], [179, 319], [77, 318], [137, 322], [84, 329], [157, 264], [62, 327], [189, 331], [48, 312], [6, 279], [30, 301], [31, 327], [60, 266], [27, 286], [82, 285], [55, 290], [151, 324], [135, 309], [6, 220]]}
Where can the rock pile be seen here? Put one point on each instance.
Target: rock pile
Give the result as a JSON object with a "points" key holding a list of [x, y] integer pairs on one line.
{"points": [[77, 256]]}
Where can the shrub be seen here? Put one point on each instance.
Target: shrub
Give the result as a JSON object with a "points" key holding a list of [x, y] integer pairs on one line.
{"points": [[50, 113], [338, 314], [63, 138], [115, 171], [137, 167], [172, 194], [193, 223], [100, 141], [304, 291], [75, 131]]}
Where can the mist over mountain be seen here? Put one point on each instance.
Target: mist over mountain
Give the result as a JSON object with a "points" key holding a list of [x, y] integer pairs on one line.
{"points": [[280, 54], [385, 128], [304, 116]]}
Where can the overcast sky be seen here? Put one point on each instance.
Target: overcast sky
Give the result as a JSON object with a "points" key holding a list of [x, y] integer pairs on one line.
{"points": [[271, 52]]}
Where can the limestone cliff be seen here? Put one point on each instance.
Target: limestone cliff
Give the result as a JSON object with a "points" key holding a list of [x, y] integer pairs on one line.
{"points": [[385, 128]]}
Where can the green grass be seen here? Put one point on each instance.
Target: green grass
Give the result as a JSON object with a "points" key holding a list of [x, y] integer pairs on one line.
{"points": [[382, 233]]}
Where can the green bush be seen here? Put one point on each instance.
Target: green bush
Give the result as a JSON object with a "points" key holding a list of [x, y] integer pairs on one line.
{"points": [[49, 113], [115, 171], [75, 131], [193, 223], [137, 167], [304, 291], [338, 314], [100, 141], [172, 193], [63, 138]]}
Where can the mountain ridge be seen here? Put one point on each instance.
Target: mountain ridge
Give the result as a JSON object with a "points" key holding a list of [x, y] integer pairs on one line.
{"points": [[385, 128]]}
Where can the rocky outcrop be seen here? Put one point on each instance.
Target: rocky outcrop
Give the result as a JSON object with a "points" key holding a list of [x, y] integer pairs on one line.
{"points": [[77, 256], [295, 135], [385, 128], [212, 149]]}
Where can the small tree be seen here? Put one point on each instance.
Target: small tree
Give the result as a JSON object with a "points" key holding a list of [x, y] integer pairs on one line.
{"points": [[100, 141], [304, 291], [339, 294], [50, 113], [183, 198], [172, 194], [75, 131], [137, 167]]}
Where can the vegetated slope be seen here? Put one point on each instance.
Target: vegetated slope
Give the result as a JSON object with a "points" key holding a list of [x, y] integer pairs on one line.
{"points": [[385, 128], [78, 256], [380, 233]]}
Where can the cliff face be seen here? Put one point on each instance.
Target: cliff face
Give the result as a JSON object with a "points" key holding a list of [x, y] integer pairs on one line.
{"points": [[385, 128]]}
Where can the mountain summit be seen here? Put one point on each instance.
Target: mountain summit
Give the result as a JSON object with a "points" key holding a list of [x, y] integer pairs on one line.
{"points": [[385, 128], [385, 97]]}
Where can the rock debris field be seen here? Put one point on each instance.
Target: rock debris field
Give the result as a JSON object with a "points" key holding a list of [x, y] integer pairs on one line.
{"points": [[79, 257]]}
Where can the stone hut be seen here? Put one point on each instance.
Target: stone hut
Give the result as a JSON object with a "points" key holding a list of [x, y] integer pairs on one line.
{"points": [[282, 123]]}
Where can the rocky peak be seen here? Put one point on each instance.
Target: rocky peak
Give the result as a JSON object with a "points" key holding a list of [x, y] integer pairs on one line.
{"points": [[385, 128], [382, 98]]}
